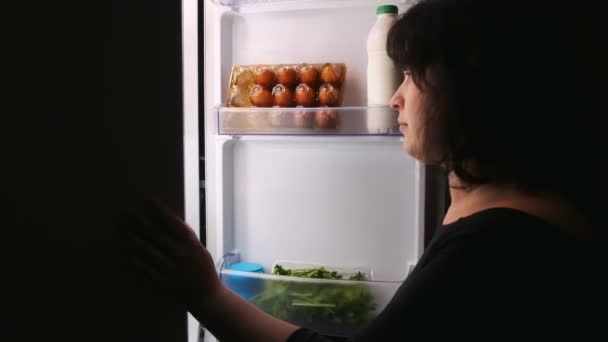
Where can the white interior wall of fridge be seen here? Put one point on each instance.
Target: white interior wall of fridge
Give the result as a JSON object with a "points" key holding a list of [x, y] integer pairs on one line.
{"points": [[308, 35], [353, 202], [298, 31]]}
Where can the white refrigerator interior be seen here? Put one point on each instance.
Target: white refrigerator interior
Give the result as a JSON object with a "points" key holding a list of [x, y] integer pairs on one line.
{"points": [[352, 200]]}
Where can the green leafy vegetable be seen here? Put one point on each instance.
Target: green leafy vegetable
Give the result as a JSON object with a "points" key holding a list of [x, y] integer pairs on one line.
{"points": [[278, 269], [308, 302], [317, 273], [358, 276]]}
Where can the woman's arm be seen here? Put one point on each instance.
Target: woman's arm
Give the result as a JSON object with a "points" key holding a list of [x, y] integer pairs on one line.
{"points": [[231, 318], [168, 253]]}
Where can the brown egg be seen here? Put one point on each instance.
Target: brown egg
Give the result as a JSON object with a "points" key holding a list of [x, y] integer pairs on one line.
{"points": [[287, 76], [309, 74], [261, 97], [283, 96], [265, 77], [305, 95], [326, 118], [303, 119], [332, 73], [329, 95]]}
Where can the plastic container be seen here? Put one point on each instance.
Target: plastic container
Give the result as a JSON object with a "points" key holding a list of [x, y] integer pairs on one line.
{"points": [[382, 76], [301, 121], [246, 287], [331, 307]]}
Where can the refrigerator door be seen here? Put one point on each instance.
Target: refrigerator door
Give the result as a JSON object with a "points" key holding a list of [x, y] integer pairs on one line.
{"points": [[102, 130]]}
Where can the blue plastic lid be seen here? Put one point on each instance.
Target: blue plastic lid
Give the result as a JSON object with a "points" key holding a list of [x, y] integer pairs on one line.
{"points": [[247, 267]]}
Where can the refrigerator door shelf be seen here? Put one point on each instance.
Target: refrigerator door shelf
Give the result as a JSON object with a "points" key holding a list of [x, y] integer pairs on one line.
{"points": [[306, 121], [331, 307]]}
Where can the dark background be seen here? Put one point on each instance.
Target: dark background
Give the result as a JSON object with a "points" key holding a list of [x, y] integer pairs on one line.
{"points": [[97, 128]]}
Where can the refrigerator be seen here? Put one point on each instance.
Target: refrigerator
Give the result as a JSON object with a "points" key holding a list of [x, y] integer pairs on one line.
{"points": [[347, 199]]}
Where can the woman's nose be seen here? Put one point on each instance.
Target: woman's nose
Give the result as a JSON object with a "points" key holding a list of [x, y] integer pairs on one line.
{"points": [[396, 102]]}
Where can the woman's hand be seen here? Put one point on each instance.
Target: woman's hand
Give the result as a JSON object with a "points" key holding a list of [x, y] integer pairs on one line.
{"points": [[161, 247], [166, 251]]}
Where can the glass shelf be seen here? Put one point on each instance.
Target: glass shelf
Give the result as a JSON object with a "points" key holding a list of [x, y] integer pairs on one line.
{"points": [[367, 121]]}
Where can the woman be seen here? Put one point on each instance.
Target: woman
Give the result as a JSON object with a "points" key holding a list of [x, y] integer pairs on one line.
{"points": [[495, 98]]}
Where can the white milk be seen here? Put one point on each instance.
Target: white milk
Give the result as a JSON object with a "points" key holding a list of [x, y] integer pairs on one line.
{"points": [[382, 76]]}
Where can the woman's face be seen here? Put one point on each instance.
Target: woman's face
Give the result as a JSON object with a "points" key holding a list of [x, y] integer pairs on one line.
{"points": [[408, 101]]}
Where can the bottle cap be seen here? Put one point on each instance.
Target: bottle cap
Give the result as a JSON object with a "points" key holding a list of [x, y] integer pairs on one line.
{"points": [[387, 9]]}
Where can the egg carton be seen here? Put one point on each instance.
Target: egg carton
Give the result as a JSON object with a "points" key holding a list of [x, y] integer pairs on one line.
{"points": [[287, 85]]}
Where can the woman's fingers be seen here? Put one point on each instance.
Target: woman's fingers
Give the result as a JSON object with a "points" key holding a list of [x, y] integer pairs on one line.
{"points": [[161, 248], [146, 230], [144, 268], [149, 253], [174, 225]]}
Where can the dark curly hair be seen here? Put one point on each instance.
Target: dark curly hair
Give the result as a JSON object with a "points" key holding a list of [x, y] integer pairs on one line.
{"points": [[512, 92]]}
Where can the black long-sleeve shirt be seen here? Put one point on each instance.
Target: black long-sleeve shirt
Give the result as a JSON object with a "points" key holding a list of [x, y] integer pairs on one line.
{"points": [[495, 274]]}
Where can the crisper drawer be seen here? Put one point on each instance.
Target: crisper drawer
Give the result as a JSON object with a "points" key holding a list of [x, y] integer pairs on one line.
{"points": [[330, 307]]}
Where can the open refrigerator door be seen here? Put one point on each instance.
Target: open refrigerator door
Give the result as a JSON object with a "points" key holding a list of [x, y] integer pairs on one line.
{"points": [[338, 208]]}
